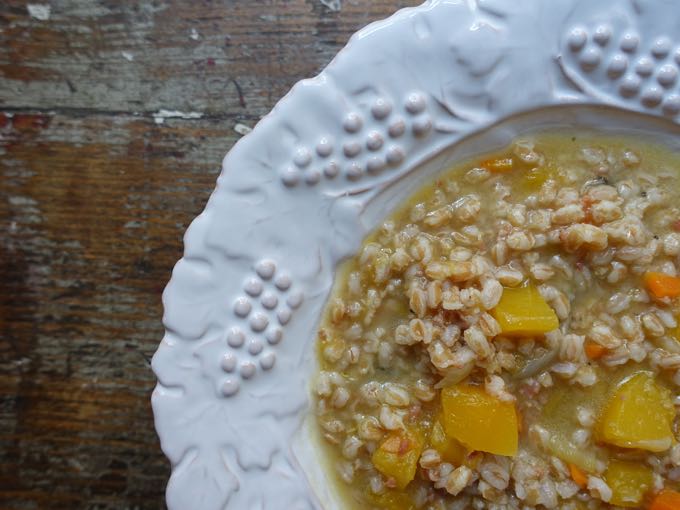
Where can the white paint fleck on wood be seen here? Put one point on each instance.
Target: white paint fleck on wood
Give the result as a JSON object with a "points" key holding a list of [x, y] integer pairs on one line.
{"points": [[333, 5], [160, 116], [39, 11], [242, 129]]}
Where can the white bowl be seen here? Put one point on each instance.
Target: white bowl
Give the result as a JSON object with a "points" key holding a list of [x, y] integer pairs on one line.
{"points": [[407, 97]]}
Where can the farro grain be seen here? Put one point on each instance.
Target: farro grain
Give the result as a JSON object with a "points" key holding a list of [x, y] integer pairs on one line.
{"points": [[395, 395], [599, 489], [508, 276], [477, 341], [652, 324], [391, 419], [457, 480], [424, 391], [430, 459], [520, 240], [350, 448], [467, 208], [385, 355], [369, 429]]}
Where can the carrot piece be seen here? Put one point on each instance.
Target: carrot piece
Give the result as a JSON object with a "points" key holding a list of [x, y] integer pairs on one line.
{"points": [[594, 350], [500, 166], [666, 500], [662, 285], [578, 476]]}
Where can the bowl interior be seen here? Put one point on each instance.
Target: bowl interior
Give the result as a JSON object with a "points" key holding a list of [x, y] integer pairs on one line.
{"points": [[568, 119]]}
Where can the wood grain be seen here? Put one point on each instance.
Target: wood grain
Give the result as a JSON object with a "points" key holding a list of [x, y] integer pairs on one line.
{"points": [[94, 198]]}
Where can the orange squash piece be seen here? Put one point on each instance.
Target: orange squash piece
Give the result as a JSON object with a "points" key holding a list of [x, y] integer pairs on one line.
{"points": [[449, 448], [397, 456], [639, 414], [629, 482], [522, 311], [479, 421], [392, 500]]}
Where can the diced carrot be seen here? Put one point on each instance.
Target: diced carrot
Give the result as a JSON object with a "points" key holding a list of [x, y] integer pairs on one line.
{"points": [[500, 166], [666, 500], [594, 350], [578, 476], [662, 285]]}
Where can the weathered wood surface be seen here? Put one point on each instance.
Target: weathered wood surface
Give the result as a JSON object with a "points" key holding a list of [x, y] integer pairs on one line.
{"points": [[95, 194]]}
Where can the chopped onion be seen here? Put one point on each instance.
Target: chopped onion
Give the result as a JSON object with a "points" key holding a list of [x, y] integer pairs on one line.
{"points": [[537, 365], [455, 375]]}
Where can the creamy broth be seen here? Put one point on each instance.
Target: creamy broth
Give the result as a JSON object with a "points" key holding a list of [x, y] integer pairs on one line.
{"points": [[508, 338]]}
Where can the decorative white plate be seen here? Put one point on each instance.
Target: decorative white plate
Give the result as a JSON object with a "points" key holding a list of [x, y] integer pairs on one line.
{"points": [[404, 99]]}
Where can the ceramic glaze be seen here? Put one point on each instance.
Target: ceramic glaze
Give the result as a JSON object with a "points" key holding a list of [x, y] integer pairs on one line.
{"points": [[405, 98]]}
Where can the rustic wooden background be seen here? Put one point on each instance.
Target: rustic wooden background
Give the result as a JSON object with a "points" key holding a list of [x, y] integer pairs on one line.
{"points": [[114, 117]]}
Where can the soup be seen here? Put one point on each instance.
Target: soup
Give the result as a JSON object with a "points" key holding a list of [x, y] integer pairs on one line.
{"points": [[509, 337]]}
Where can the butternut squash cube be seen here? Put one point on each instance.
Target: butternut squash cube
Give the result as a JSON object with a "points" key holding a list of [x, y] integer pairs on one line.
{"points": [[639, 414], [479, 421], [629, 482], [392, 500], [522, 311], [449, 448], [397, 456]]}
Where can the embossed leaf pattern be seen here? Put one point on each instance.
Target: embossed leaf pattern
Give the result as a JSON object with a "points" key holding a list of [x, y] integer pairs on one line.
{"points": [[202, 480]]}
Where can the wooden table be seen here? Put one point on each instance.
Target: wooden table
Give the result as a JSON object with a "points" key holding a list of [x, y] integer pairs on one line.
{"points": [[114, 118]]}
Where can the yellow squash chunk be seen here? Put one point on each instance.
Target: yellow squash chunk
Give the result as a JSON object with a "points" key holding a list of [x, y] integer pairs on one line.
{"points": [[629, 482], [397, 456], [523, 312], [479, 421], [449, 448], [392, 500], [639, 414]]}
